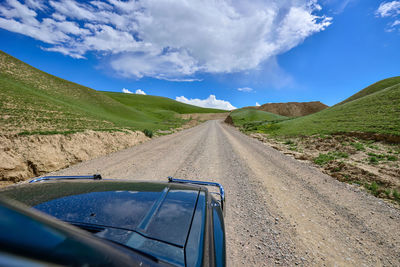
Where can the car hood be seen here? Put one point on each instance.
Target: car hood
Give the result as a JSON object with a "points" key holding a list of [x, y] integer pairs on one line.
{"points": [[159, 211]]}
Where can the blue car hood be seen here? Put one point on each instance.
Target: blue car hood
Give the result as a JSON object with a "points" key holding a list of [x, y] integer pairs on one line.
{"points": [[163, 215], [161, 219]]}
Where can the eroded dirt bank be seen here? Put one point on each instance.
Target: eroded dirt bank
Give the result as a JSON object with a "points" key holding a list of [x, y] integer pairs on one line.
{"points": [[22, 157], [279, 211]]}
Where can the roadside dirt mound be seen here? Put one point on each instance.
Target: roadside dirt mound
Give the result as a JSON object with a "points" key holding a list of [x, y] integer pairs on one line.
{"points": [[23, 157], [293, 109], [229, 120]]}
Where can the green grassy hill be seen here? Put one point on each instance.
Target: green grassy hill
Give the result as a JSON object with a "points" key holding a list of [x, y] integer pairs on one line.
{"points": [[375, 109], [250, 115], [373, 88], [32, 101]]}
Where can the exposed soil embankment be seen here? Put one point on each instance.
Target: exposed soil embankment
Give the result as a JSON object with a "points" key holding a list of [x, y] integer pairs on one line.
{"points": [[22, 157], [293, 109]]}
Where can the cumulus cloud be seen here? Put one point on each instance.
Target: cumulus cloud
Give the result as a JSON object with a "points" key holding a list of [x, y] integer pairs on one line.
{"points": [[140, 92], [390, 10], [257, 105], [245, 89], [168, 39], [210, 102], [126, 91]]}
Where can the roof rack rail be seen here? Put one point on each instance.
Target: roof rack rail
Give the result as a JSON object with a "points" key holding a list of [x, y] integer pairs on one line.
{"points": [[44, 178], [221, 188]]}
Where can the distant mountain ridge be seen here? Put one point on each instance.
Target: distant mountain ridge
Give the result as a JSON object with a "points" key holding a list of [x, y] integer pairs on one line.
{"points": [[293, 109]]}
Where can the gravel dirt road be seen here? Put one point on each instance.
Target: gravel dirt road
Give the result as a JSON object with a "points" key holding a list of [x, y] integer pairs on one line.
{"points": [[279, 211]]}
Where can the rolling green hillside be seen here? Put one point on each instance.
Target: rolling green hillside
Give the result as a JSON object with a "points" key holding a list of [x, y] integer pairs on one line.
{"points": [[376, 110], [32, 101], [373, 88], [249, 115]]}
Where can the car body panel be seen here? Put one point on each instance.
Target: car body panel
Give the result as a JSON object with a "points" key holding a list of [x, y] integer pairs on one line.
{"points": [[165, 220], [32, 238]]}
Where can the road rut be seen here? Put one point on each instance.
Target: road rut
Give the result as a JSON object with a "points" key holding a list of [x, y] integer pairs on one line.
{"points": [[279, 211]]}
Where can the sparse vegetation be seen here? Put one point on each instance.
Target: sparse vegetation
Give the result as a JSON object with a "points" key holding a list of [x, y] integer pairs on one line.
{"points": [[323, 159], [358, 146], [376, 158], [396, 195], [289, 142], [373, 188], [373, 160], [338, 156], [148, 133]]}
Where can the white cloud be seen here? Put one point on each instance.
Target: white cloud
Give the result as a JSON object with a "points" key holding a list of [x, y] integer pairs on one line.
{"points": [[210, 102], [257, 105], [392, 10], [140, 92], [168, 39], [245, 89], [35, 4], [389, 9], [126, 91], [397, 22]]}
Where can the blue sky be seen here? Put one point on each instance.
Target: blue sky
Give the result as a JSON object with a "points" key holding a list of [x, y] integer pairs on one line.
{"points": [[222, 53]]}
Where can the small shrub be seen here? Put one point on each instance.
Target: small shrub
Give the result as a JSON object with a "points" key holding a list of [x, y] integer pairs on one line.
{"points": [[374, 147], [373, 160], [272, 127], [340, 154], [396, 194], [148, 133], [322, 159], [391, 158], [358, 146], [373, 188], [337, 169], [289, 142], [387, 192]]}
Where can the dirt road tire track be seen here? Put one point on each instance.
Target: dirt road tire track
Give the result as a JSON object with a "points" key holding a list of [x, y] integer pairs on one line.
{"points": [[279, 211]]}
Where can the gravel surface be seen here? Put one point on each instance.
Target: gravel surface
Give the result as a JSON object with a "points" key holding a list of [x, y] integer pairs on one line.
{"points": [[279, 211]]}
